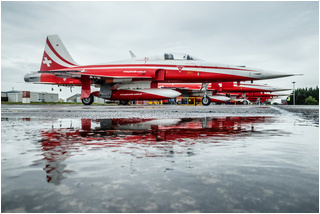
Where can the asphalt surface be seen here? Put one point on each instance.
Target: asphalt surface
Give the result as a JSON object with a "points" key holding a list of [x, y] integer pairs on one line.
{"points": [[152, 111]]}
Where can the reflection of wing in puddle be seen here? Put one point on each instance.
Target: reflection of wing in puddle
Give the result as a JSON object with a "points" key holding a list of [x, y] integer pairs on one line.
{"points": [[137, 137]]}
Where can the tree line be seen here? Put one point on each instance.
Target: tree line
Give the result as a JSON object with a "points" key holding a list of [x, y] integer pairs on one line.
{"points": [[305, 96]]}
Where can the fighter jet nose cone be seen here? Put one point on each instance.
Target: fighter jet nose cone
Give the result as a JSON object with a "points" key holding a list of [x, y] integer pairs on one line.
{"points": [[274, 74]]}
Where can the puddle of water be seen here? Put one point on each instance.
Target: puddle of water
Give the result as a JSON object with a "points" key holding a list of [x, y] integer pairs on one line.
{"points": [[210, 164]]}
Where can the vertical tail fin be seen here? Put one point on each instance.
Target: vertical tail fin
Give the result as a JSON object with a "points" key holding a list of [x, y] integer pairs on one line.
{"points": [[55, 55]]}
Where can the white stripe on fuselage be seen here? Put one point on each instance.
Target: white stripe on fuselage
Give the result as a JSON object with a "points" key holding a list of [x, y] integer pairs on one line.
{"points": [[195, 69]]}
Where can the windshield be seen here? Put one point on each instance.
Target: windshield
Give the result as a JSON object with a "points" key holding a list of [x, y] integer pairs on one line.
{"points": [[168, 56]]}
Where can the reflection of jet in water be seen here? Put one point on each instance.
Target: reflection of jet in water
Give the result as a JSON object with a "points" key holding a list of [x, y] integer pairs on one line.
{"points": [[55, 152], [138, 137]]}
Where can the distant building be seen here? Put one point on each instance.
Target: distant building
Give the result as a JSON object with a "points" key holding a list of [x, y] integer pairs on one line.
{"points": [[76, 99], [16, 96]]}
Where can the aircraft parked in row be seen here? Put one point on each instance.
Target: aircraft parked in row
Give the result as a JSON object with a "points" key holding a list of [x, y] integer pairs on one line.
{"points": [[137, 78], [225, 91]]}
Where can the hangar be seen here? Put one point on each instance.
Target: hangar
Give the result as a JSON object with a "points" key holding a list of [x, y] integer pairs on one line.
{"points": [[16, 96]]}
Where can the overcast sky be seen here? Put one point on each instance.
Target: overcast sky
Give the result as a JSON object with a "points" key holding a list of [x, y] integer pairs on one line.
{"points": [[279, 36]]}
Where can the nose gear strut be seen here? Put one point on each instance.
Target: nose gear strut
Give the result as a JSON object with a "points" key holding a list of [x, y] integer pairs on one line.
{"points": [[205, 99]]}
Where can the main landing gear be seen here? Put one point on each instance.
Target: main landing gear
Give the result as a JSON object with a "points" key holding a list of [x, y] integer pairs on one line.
{"points": [[205, 99], [88, 101], [124, 102]]}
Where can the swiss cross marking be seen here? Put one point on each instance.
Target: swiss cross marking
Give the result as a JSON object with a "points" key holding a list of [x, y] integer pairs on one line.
{"points": [[46, 61], [180, 67]]}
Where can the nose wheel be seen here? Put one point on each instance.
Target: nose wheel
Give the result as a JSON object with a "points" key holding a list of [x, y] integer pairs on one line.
{"points": [[88, 101], [206, 100]]}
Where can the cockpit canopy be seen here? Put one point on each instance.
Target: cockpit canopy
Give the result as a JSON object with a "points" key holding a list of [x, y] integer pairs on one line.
{"points": [[169, 57], [178, 56]]}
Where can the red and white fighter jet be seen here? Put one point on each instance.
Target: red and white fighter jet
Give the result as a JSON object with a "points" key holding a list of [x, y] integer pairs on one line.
{"points": [[137, 78], [239, 92]]}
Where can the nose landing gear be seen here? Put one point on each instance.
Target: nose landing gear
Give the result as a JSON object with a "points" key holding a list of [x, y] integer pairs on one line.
{"points": [[205, 99]]}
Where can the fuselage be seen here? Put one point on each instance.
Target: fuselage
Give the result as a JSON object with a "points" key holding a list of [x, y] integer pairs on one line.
{"points": [[177, 71]]}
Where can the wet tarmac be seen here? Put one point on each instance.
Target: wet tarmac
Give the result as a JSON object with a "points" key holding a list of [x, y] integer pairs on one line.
{"points": [[159, 158]]}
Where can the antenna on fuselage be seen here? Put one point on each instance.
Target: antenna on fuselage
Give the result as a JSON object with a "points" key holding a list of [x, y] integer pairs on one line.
{"points": [[133, 56]]}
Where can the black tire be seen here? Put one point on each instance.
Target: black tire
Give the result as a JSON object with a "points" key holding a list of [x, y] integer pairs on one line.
{"points": [[88, 101], [206, 100], [124, 102], [245, 102]]}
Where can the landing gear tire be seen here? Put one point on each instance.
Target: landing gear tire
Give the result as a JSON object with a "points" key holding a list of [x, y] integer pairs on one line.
{"points": [[88, 101], [124, 102], [206, 100]]}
